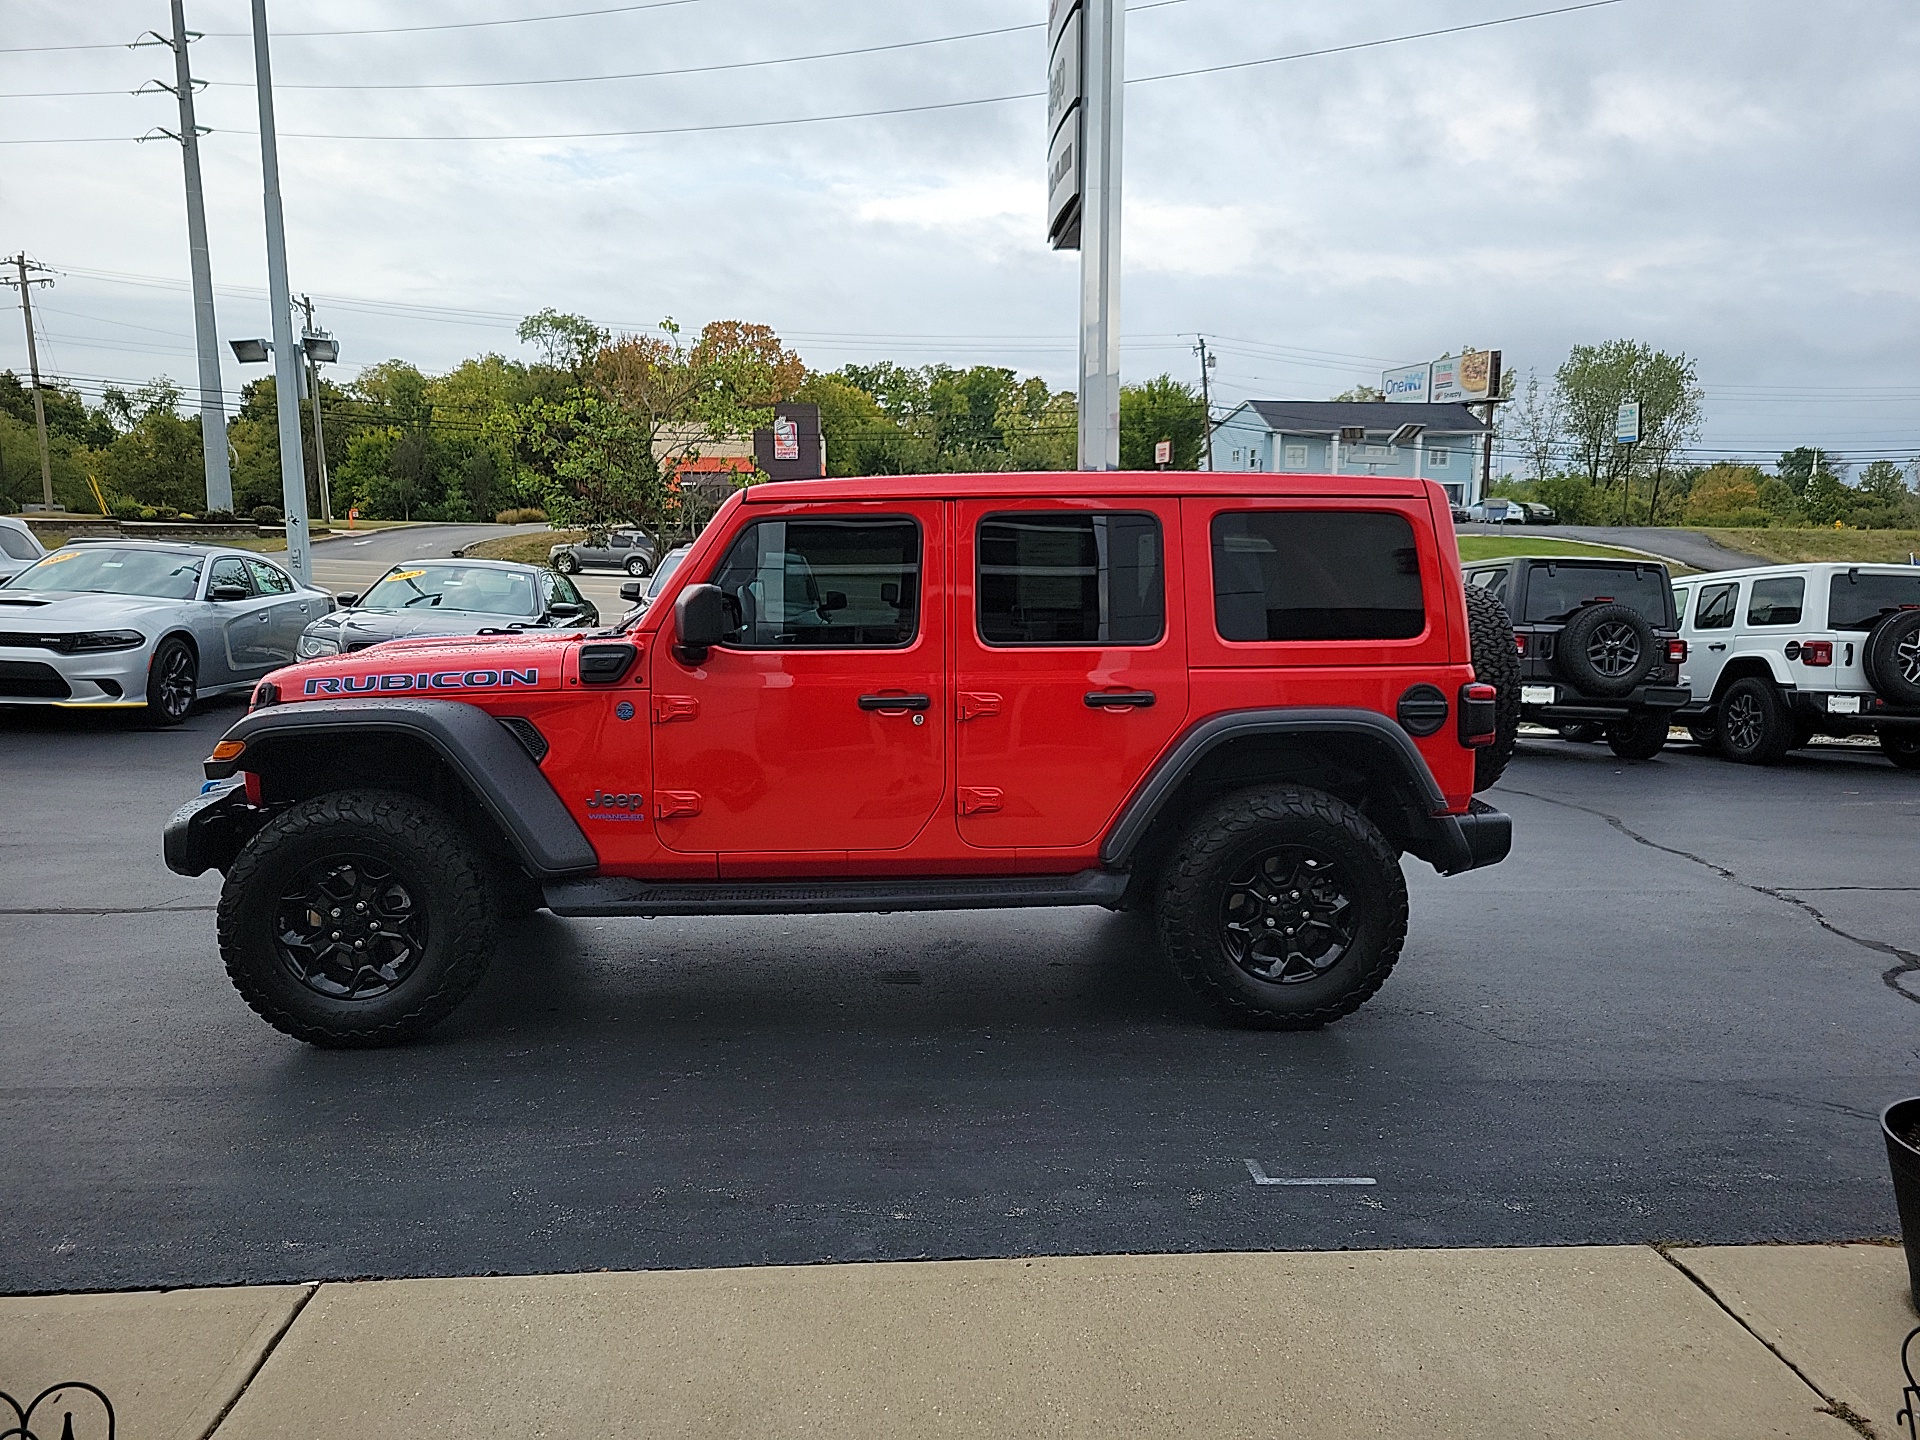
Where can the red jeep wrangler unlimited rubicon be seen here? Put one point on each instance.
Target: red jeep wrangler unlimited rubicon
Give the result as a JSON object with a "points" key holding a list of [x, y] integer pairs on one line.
{"points": [[1235, 704]]}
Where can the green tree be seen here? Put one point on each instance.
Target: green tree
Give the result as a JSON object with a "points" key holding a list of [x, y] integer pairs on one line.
{"points": [[1536, 427], [566, 342], [1161, 409], [1796, 468], [1039, 426], [1827, 499], [1590, 386]]}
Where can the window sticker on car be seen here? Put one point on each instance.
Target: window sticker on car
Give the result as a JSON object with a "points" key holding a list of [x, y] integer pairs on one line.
{"points": [[406, 575]]}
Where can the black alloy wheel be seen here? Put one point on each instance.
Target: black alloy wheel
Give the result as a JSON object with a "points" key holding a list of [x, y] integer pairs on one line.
{"points": [[1582, 732], [636, 565], [1902, 747], [350, 928], [1288, 915], [1704, 733], [1613, 650], [1754, 726], [173, 681]]}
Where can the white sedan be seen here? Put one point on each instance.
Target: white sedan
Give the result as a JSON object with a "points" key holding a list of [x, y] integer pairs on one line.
{"points": [[147, 625]]}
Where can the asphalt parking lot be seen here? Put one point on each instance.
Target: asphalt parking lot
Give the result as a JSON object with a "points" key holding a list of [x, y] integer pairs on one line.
{"points": [[1673, 1014]]}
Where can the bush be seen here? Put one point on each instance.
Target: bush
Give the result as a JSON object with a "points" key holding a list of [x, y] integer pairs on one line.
{"points": [[127, 510], [216, 517], [521, 517], [267, 515]]}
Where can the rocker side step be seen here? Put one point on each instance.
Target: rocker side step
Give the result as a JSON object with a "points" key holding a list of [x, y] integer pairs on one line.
{"points": [[614, 895]]}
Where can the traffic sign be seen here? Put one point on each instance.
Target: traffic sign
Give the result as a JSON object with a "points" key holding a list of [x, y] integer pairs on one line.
{"points": [[1163, 453]]}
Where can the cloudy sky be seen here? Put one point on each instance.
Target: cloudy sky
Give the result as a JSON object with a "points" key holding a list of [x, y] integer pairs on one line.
{"points": [[1736, 179]]}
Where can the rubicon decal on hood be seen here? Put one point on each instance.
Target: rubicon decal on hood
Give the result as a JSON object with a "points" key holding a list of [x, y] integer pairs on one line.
{"points": [[422, 680]]}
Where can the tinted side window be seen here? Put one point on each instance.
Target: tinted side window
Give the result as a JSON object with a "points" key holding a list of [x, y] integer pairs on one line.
{"points": [[824, 584], [1492, 580], [1070, 579], [1716, 607], [16, 546], [228, 570], [270, 579], [1680, 598], [1315, 575], [1857, 602], [1777, 602]]}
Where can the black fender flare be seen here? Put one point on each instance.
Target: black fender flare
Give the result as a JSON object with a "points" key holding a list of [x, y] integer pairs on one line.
{"points": [[490, 764], [1450, 843]]}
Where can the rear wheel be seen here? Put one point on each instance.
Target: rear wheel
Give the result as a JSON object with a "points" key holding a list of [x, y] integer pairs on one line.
{"points": [[636, 565], [1638, 737], [1902, 747], [1705, 734], [1582, 732], [1284, 907], [357, 919], [173, 681], [1755, 728], [1495, 663]]}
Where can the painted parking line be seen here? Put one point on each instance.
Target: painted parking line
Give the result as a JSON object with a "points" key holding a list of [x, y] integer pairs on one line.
{"points": [[1260, 1177]]}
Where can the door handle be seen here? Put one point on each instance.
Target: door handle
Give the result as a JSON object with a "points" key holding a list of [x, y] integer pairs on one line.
{"points": [[1118, 699], [896, 702], [1721, 646]]}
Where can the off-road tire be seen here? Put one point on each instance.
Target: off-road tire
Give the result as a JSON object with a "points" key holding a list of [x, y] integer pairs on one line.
{"points": [[1237, 831], [1891, 658], [1705, 734], [173, 682], [567, 563], [1755, 728], [1582, 732], [1497, 663], [1639, 736], [1902, 747], [1637, 650], [638, 567], [425, 850]]}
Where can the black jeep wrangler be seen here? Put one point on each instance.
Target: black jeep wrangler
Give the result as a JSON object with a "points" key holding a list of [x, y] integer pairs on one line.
{"points": [[1599, 644]]}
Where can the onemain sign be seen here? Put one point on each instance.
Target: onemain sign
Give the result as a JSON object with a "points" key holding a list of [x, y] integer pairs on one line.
{"points": [[1473, 378], [1066, 123], [1409, 385]]}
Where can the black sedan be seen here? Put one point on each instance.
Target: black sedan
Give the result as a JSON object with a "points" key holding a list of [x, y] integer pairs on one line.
{"points": [[450, 597]]}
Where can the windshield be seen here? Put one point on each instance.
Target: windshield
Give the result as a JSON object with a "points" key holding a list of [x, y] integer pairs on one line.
{"points": [[1556, 591], [665, 573], [474, 588], [103, 570], [1858, 601]]}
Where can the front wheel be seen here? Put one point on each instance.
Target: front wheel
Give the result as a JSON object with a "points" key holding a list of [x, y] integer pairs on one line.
{"points": [[1284, 907], [1902, 747], [1638, 737], [173, 681], [567, 563], [1755, 728], [636, 566], [357, 919]]}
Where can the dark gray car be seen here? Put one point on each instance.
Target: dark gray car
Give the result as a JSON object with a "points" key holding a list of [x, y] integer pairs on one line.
{"points": [[450, 597], [626, 550]]}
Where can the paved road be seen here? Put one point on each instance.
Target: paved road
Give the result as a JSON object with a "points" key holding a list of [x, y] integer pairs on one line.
{"points": [[1672, 1015], [1689, 548]]}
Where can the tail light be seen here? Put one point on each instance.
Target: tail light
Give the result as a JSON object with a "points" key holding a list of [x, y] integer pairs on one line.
{"points": [[1817, 652], [1479, 715], [1676, 652], [1520, 642]]}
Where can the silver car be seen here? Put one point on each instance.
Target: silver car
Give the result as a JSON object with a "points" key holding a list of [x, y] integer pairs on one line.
{"points": [[19, 547], [626, 550], [450, 597], [143, 624]]}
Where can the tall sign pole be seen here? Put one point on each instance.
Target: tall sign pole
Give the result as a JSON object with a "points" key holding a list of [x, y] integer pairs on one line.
{"points": [[287, 353], [1086, 78], [213, 412]]}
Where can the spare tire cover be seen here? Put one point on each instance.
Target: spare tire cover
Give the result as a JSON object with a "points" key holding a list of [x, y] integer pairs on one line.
{"points": [[1892, 658], [1606, 650]]}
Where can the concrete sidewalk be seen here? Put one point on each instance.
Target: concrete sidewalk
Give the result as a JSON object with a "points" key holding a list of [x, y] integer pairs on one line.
{"points": [[1616, 1342]]}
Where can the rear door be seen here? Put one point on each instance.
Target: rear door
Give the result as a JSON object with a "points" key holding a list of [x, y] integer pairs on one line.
{"points": [[246, 625], [1070, 663], [1708, 631], [817, 729], [290, 610]]}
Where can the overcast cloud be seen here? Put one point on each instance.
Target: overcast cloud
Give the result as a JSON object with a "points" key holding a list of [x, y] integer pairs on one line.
{"points": [[1735, 180]]}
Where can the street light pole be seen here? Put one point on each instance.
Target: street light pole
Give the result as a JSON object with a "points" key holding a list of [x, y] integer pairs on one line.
{"points": [[286, 350], [1103, 24]]}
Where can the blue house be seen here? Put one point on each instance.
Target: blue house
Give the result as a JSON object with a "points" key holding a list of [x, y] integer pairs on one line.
{"points": [[1444, 443]]}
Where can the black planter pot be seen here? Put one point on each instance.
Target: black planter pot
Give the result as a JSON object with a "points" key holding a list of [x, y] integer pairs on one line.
{"points": [[1903, 1118]]}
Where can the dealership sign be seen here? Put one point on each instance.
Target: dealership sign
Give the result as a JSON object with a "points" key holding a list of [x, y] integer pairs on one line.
{"points": [[1065, 121]]}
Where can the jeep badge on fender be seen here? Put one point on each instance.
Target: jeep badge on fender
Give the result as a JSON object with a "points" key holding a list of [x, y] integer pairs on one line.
{"points": [[1234, 703]]}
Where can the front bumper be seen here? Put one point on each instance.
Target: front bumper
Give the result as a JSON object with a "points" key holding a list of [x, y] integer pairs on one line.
{"points": [[92, 680], [207, 832], [1569, 704]]}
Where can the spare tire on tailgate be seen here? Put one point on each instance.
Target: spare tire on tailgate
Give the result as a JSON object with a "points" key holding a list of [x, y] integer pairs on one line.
{"points": [[1497, 663], [1606, 650], [1892, 658]]}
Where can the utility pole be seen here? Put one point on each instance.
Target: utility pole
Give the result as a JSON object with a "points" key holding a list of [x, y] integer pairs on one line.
{"points": [[1206, 391], [307, 335], [286, 353], [213, 411], [25, 285]]}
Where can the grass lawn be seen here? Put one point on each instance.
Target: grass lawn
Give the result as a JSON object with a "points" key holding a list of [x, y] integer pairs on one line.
{"points": [[1784, 547], [529, 549], [1492, 547]]}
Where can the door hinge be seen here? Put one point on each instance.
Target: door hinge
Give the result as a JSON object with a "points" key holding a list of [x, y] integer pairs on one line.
{"points": [[676, 804], [979, 799], [974, 704], [668, 708]]}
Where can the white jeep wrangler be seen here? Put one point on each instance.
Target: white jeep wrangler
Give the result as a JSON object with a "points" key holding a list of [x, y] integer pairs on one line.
{"points": [[1781, 653]]}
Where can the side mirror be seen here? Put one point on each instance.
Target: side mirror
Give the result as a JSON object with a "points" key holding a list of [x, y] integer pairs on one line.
{"points": [[702, 618], [633, 590], [228, 592], [346, 600], [564, 608], [836, 600]]}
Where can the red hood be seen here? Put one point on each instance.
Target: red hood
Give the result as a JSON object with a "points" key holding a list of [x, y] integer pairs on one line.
{"points": [[464, 667]]}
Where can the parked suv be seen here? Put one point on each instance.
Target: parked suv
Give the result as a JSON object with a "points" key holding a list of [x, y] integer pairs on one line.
{"points": [[1233, 704], [1781, 653], [1600, 650], [626, 550]]}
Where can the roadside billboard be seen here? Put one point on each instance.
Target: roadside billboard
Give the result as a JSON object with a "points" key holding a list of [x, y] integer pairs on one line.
{"points": [[1409, 385]]}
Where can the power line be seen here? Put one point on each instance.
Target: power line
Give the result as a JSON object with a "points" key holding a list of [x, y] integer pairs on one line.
{"points": [[890, 110]]}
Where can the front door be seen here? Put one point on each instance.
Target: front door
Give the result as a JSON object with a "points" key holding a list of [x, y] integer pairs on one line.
{"points": [[1070, 664], [817, 727]]}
